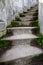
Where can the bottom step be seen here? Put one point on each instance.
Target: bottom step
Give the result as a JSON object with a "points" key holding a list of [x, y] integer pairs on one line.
{"points": [[20, 51]]}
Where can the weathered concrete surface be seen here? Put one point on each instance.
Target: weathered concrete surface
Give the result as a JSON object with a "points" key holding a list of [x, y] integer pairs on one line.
{"points": [[20, 51]]}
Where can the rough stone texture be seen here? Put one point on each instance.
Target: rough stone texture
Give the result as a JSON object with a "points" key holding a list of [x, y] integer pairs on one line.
{"points": [[19, 51]]}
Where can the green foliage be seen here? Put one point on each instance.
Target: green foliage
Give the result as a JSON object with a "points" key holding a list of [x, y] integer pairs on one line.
{"points": [[36, 31], [13, 24], [39, 41], [37, 58], [22, 14], [35, 23], [4, 43], [17, 18]]}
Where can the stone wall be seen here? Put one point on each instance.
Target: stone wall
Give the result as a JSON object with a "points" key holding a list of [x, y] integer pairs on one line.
{"points": [[41, 15], [10, 8]]}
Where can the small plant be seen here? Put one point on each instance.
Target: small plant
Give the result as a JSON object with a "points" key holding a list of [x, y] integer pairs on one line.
{"points": [[5, 44], [22, 15], [17, 18]]}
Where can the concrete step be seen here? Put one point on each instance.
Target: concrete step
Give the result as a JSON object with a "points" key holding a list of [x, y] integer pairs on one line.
{"points": [[21, 30], [26, 19], [30, 13], [24, 23], [20, 37], [20, 51]]}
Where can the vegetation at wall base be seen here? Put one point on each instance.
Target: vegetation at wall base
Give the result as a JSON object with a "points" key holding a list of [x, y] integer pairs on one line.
{"points": [[17, 18], [5, 44], [38, 41]]}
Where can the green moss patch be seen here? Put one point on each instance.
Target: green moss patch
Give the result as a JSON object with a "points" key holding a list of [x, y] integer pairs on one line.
{"points": [[4, 44]]}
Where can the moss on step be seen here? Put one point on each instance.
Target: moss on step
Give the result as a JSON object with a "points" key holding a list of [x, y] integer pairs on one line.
{"points": [[17, 18]]}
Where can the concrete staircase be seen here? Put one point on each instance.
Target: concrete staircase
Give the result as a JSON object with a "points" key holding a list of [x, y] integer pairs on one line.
{"points": [[21, 51]]}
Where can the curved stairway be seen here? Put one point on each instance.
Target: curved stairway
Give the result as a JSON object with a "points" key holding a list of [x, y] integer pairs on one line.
{"points": [[21, 51]]}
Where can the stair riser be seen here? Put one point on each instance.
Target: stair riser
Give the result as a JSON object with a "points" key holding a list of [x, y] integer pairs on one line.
{"points": [[26, 18], [24, 23], [2, 28], [22, 31], [21, 61], [21, 42]]}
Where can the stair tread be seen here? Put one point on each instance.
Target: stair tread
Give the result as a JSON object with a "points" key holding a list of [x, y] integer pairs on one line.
{"points": [[21, 28], [20, 37], [20, 51]]}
